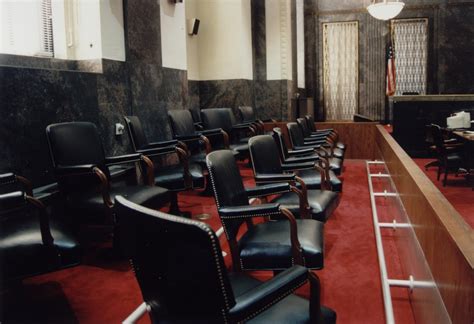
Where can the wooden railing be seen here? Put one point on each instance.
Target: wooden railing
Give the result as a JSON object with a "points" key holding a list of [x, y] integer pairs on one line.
{"points": [[446, 239]]}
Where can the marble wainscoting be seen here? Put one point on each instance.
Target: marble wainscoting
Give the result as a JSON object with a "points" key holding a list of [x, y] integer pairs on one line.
{"points": [[31, 99]]}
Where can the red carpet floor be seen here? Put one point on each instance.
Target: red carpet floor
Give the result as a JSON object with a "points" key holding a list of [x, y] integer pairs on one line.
{"points": [[103, 289], [458, 191]]}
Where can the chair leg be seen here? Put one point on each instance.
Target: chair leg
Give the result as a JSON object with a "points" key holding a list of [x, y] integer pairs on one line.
{"points": [[445, 177], [439, 172], [174, 207], [431, 164]]}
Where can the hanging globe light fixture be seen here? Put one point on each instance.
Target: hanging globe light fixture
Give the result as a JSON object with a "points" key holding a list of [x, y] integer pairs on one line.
{"points": [[385, 10]]}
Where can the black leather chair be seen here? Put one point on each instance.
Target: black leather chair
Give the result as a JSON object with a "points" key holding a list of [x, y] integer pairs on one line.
{"points": [[271, 245], [449, 156], [82, 171], [267, 168], [297, 141], [328, 132], [175, 177], [31, 242], [247, 116], [302, 155], [327, 141], [197, 141], [213, 118], [179, 267]]}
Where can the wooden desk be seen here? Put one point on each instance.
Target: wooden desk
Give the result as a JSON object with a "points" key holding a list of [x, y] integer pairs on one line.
{"points": [[465, 136]]}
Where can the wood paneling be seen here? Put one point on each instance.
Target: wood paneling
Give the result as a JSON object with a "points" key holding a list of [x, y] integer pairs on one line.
{"points": [[446, 239], [358, 137]]}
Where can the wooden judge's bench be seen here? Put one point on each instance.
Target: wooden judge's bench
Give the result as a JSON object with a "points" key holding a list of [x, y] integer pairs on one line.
{"points": [[410, 115]]}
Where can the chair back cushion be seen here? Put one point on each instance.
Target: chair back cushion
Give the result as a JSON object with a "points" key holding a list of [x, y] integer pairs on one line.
{"points": [[182, 122], [75, 143], [304, 126], [310, 122], [135, 130], [177, 262], [247, 114], [217, 118], [280, 141], [264, 155], [227, 185], [295, 133]]}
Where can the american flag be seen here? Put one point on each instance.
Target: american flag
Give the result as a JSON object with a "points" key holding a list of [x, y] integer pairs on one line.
{"points": [[390, 91]]}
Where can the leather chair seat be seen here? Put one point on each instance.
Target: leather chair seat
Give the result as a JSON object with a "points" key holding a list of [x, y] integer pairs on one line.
{"points": [[336, 165], [242, 149], [292, 309], [454, 158], [24, 252], [312, 179], [171, 177], [275, 235], [142, 195], [338, 153], [199, 158], [322, 203]]}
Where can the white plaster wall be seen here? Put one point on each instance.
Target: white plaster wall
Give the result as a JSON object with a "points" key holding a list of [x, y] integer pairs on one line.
{"points": [[192, 41], [87, 30], [224, 40], [300, 42], [112, 31], [173, 34], [278, 39]]}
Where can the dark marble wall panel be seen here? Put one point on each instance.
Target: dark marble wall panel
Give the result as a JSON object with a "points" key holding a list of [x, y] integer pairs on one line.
{"points": [[456, 49], [226, 93], [268, 101], [193, 92], [31, 99]]}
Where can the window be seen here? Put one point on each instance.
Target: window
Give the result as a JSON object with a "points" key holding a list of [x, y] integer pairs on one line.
{"points": [[26, 28], [410, 42], [340, 69], [64, 29]]}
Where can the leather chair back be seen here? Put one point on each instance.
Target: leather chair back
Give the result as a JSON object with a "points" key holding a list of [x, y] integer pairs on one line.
{"points": [[310, 123], [137, 135], [76, 143], [196, 114], [182, 122], [280, 142], [247, 114], [227, 185], [217, 118], [178, 265], [438, 140], [264, 155], [304, 126], [295, 133]]}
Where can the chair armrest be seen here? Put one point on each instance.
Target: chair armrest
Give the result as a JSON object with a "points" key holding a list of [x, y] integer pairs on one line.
{"points": [[303, 151], [65, 170], [258, 299], [297, 166], [275, 177], [158, 150], [249, 211], [121, 159], [184, 138], [242, 126], [314, 140], [307, 145], [161, 144], [198, 125], [268, 189], [7, 178], [304, 159], [214, 131]]}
